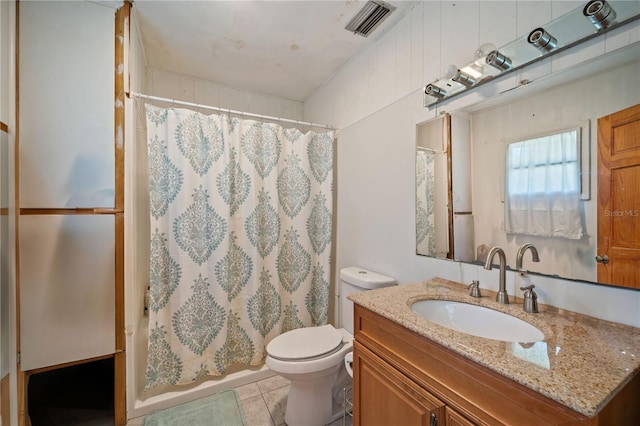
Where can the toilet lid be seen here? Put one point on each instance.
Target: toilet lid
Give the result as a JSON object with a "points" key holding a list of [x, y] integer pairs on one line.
{"points": [[304, 343]]}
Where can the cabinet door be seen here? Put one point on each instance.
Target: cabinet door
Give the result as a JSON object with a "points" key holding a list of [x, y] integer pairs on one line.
{"points": [[453, 418], [384, 396]]}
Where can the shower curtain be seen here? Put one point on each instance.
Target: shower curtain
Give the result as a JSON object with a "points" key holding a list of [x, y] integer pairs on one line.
{"points": [[425, 213], [241, 228]]}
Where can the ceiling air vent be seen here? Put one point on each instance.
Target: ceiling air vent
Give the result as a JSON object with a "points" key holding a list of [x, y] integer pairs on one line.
{"points": [[369, 17]]}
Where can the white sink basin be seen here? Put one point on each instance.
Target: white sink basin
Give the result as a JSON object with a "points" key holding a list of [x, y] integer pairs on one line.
{"points": [[477, 320]]}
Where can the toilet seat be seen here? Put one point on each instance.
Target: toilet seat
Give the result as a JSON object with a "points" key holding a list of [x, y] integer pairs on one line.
{"points": [[305, 344]]}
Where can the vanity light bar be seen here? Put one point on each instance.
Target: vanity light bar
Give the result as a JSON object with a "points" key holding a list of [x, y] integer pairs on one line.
{"points": [[489, 58]]}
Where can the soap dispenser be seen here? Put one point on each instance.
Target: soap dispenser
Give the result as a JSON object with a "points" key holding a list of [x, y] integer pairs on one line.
{"points": [[530, 299], [474, 289]]}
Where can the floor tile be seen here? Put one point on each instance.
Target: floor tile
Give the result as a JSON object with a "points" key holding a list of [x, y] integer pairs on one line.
{"points": [[264, 408], [256, 412], [248, 391], [273, 383], [276, 401]]}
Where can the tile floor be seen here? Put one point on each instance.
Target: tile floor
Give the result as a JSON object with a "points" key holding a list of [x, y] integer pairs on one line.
{"points": [[263, 402]]}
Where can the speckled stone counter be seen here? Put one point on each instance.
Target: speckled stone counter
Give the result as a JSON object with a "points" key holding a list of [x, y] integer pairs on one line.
{"points": [[581, 363]]}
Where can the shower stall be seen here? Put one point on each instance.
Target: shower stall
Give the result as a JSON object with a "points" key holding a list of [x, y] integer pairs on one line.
{"points": [[137, 229]]}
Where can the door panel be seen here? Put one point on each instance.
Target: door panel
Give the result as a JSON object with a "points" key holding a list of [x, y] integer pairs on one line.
{"points": [[66, 94], [67, 292], [619, 198]]}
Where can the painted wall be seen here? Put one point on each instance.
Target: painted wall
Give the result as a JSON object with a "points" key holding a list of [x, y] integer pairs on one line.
{"points": [[190, 89], [376, 101]]}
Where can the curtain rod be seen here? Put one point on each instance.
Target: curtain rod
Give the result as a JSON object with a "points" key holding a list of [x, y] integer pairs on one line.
{"points": [[230, 111], [431, 150]]}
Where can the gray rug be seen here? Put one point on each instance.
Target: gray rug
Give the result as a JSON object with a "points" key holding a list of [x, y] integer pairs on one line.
{"points": [[223, 409]]}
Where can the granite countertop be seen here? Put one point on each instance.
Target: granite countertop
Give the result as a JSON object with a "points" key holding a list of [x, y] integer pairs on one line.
{"points": [[582, 362]]}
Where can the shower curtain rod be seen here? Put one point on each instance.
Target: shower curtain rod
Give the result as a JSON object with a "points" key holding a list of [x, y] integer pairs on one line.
{"points": [[430, 150], [230, 111]]}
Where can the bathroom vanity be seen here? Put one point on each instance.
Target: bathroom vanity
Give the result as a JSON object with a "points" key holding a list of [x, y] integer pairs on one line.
{"points": [[410, 371]]}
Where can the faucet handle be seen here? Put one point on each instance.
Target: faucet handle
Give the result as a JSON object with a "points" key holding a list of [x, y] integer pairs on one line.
{"points": [[530, 299], [474, 289]]}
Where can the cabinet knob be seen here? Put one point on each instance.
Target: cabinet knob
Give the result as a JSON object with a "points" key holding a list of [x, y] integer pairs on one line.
{"points": [[434, 420], [604, 259]]}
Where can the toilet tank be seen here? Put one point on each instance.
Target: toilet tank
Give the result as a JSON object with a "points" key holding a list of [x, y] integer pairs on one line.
{"points": [[353, 280]]}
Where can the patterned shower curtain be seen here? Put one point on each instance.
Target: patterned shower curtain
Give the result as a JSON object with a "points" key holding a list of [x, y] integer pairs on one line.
{"points": [[241, 221], [425, 213]]}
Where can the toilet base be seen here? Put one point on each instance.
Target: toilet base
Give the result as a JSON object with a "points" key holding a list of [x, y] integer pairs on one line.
{"points": [[316, 401]]}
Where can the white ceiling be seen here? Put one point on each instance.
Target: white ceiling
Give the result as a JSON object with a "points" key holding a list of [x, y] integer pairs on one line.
{"points": [[281, 48]]}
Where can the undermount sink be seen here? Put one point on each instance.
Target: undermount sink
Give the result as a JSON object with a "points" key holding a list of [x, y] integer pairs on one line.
{"points": [[477, 320]]}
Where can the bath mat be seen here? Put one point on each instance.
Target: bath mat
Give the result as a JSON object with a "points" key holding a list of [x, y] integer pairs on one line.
{"points": [[223, 409]]}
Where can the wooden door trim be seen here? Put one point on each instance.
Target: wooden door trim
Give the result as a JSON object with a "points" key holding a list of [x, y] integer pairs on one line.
{"points": [[121, 40], [447, 149], [68, 211]]}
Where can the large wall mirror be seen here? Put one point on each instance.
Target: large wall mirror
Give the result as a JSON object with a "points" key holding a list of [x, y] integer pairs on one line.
{"points": [[468, 151]]}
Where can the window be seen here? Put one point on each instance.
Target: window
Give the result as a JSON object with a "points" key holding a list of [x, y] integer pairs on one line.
{"points": [[543, 186]]}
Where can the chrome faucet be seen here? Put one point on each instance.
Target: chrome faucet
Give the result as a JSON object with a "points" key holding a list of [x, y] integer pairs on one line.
{"points": [[521, 250], [530, 296], [502, 297]]}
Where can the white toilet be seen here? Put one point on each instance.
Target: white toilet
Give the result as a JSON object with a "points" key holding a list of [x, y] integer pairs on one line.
{"points": [[312, 358]]}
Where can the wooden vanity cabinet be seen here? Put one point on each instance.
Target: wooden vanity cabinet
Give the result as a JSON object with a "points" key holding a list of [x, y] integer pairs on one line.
{"points": [[390, 397], [403, 378]]}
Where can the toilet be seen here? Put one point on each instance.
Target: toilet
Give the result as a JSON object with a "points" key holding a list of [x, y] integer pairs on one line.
{"points": [[312, 358]]}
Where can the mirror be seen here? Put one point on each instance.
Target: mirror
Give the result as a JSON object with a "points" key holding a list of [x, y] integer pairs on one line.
{"points": [[475, 144], [432, 194], [443, 189]]}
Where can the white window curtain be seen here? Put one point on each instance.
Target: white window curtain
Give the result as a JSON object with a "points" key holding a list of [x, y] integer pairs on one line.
{"points": [[543, 187]]}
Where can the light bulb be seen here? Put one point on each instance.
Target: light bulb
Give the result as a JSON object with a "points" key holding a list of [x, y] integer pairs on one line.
{"points": [[450, 71], [482, 52]]}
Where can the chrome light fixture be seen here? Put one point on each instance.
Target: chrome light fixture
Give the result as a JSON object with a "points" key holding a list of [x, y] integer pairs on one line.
{"points": [[498, 61], [434, 91], [561, 33], [452, 72], [599, 13], [541, 39], [482, 52]]}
